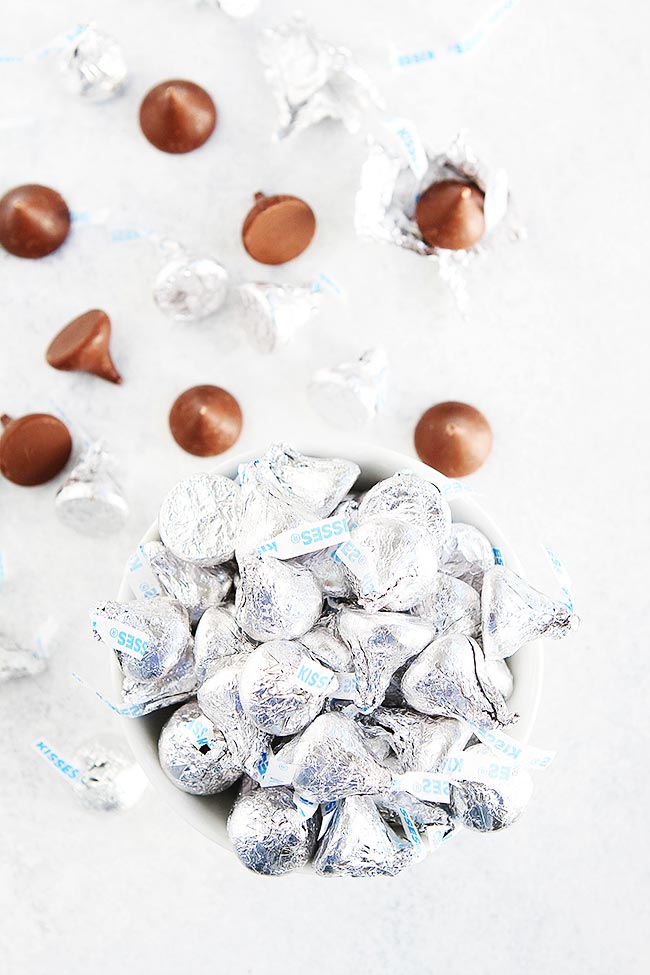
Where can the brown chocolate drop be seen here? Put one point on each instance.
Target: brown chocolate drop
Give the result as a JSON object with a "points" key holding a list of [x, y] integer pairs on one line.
{"points": [[278, 228], [177, 116], [455, 438], [34, 448], [83, 346], [450, 215], [205, 420], [34, 221]]}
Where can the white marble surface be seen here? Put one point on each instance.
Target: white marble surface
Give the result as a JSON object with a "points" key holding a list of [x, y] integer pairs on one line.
{"points": [[556, 354]]}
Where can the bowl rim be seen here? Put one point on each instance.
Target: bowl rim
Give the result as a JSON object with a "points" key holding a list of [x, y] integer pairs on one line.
{"points": [[199, 811]]}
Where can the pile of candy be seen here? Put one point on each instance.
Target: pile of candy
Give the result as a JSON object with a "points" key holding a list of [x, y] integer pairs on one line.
{"points": [[340, 655]]}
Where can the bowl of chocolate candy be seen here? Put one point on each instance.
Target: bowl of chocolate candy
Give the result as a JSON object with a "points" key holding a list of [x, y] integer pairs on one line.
{"points": [[330, 664]]}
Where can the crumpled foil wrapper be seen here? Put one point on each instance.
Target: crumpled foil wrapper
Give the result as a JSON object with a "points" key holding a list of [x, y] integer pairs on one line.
{"points": [[451, 607], [313, 80], [269, 692], [467, 555], [501, 676], [484, 808], [189, 288], [351, 394], [397, 567], [269, 834], [94, 67], [193, 753], [422, 813], [218, 698], [410, 499], [389, 191], [193, 586], [199, 517], [276, 600], [358, 843], [17, 661], [90, 500], [328, 572], [323, 643], [514, 614], [218, 635], [420, 742], [379, 643], [110, 779], [332, 761], [272, 314], [166, 625], [450, 678]]}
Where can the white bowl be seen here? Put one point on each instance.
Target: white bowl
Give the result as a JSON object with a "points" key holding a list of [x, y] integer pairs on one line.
{"points": [[209, 814]]}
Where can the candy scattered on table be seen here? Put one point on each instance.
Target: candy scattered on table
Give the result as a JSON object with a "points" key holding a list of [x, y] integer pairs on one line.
{"points": [[205, 420], [90, 500], [83, 346], [450, 215], [34, 448], [34, 221], [177, 116], [454, 438], [94, 67], [278, 228], [347, 729]]}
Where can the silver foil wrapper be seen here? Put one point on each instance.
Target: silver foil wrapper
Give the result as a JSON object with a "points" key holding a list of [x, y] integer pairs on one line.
{"points": [[422, 813], [467, 555], [514, 614], [194, 755], [193, 586], [410, 499], [420, 742], [327, 647], [328, 572], [90, 500], [276, 600], [163, 621], [332, 761], [272, 314], [486, 808], [501, 676], [17, 661], [358, 843], [397, 564], [94, 67], [199, 517], [218, 698], [109, 778], [450, 678], [379, 643], [267, 506], [451, 607], [321, 483], [351, 394], [269, 834], [189, 288], [270, 693], [218, 635], [313, 80]]}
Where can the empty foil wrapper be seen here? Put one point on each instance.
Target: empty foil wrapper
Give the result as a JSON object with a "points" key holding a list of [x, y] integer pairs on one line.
{"points": [[149, 636], [218, 635], [313, 80], [393, 564], [218, 698], [420, 742], [193, 586], [199, 517], [451, 607], [194, 755], [332, 761], [17, 661], [487, 808], [450, 678], [94, 66], [272, 314], [276, 600], [270, 693], [189, 288], [379, 643], [467, 555], [358, 843], [410, 499], [109, 779], [268, 832], [514, 614], [90, 500], [351, 394]]}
